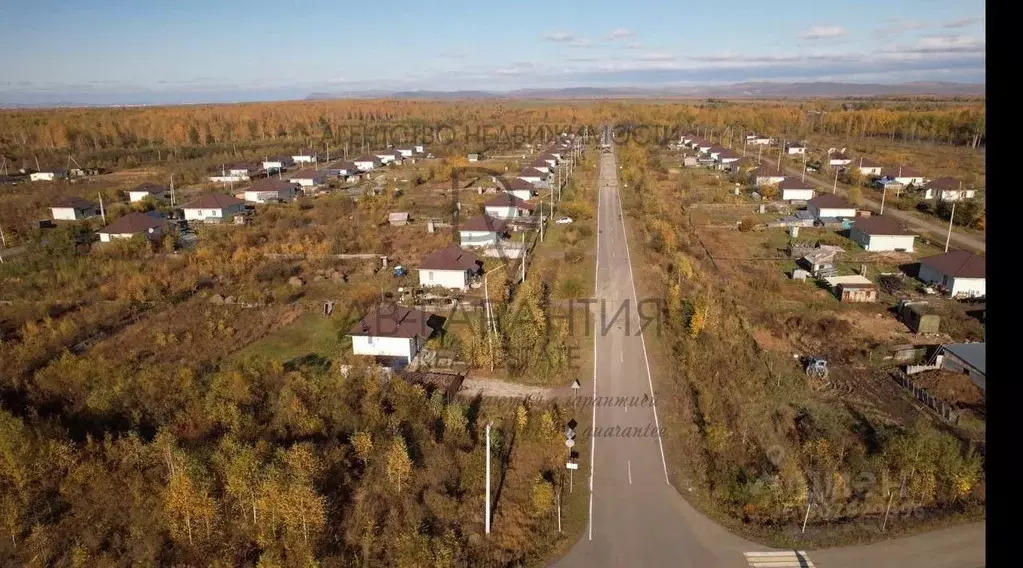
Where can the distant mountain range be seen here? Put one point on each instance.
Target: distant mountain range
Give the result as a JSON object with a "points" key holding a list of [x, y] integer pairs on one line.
{"points": [[759, 90]]}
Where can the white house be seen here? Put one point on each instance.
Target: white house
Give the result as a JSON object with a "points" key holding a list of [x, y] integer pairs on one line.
{"points": [[715, 151], [960, 273], [482, 231], [308, 178], [385, 157], [507, 206], [839, 159], [761, 141], [518, 187], [393, 332], [830, 205], [703, 146], [147, 189], [946, 189], [792, 189], [367, 163], [419, 148], [549, 159], [904, 175], [242, 170], [278, 163], [868, 168], [270, 189], [726, 156], [879, 233], [533, 176], [406, 152], [305, 157], [767, 175], [213, 208], [473, 158], [73, 209], [48, 175], [795, 149], [131, 225], [450, 267]]}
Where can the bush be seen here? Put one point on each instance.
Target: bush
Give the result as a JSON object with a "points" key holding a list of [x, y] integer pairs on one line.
{"points": [[747, 225]]}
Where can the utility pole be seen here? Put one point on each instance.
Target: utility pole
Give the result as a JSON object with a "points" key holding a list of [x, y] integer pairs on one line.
{"points": [[172, 190], [887, 509], [780, 152], [834, 188], [3, 239], [809, 499], [884, 191], [804, 169], [523, 264], [952, 216], [102, 211], [760, 150], [488, 478]]}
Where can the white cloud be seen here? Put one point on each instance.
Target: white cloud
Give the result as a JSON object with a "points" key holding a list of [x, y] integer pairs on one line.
{"points": [[961, 23], [619, 33], [823, 32], [944, 44], [558, 37], [454, 54], [634, 45], [657, 56], [580, 42]]}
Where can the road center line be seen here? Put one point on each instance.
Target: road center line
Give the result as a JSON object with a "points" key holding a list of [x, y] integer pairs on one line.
{"points": [[630, 472], [646, 360], [593, 430]]}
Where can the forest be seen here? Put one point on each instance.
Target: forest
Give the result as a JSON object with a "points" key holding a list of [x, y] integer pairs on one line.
{"points": [[141, 424]]}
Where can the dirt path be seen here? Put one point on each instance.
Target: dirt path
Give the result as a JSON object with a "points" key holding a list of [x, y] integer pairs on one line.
{"points": [[502, 389]]}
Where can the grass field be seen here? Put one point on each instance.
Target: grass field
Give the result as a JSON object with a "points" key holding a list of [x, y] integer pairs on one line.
{"points": [[310, 334]]}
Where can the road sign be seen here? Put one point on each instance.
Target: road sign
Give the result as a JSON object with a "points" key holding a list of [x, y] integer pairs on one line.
{"points": [[575, 384], [569, 433], [571, 465], [570, 442]]}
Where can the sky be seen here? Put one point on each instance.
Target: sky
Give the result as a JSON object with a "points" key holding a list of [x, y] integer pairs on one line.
{"points": [[131, 51]]}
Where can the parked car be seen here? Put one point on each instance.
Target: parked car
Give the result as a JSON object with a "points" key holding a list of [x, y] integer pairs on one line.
{"points": [[564, 221]]}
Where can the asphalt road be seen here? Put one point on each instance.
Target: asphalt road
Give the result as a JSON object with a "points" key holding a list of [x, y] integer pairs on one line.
{"points": [[936, 231], [636, 518]]}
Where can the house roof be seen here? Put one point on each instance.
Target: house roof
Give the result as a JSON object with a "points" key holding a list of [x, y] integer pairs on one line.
{"points": [[839, 156], [532, 172], [727, 154], [767, 170], [346, 166], [149, 187], [484, 223], [74, 202], [830, 201], [715, 148], [392, 320], [880, 225], [306, 174], [975, 354], [398, 216], [242, 166], [793, 183], [271, 184], [510, 184], [509, 200], [366, 159], [132, 223], [214, 201], [957, 263], [539, 163], [862, 162], [903, 171], [451, 258], [943, 183]]}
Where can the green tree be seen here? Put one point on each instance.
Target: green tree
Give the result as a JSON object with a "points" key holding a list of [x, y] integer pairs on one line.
{"points": [[399, 465]]}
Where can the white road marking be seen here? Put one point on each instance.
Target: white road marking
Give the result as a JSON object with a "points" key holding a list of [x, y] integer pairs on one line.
{"points": [[779, 559], [630, 472], [646, 360]]}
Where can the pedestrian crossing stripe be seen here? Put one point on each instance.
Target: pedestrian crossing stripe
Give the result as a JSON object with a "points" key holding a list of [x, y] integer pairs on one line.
{"points": [[781, 559]]}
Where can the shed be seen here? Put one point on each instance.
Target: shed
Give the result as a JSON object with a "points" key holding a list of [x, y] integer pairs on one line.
{"points": [[856, 292], [398, 218], [918, 317]]}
